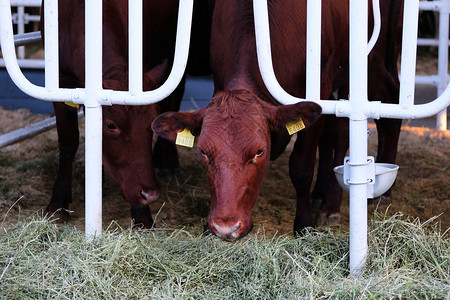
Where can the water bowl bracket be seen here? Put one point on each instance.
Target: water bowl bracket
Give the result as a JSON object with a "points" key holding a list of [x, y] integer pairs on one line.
{"points": [[370, 173]]}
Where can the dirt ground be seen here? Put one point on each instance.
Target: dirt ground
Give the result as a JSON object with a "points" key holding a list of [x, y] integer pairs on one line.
{"points": [[28, 169]]}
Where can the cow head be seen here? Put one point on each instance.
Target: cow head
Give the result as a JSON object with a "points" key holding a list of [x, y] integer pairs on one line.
{"points": [[234, 140], [127, 140]]}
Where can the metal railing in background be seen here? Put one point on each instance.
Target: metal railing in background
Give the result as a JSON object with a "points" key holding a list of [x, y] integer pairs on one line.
{"points": [[439, 80], [22, 18]]}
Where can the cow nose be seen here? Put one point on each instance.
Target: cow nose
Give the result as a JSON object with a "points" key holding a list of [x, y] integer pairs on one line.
{"points": [[227, 233], [149, 196]]}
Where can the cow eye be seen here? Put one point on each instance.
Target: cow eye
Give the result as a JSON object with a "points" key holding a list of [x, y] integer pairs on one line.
{"points": [[203, 153], [260, 152], [111, 125]]}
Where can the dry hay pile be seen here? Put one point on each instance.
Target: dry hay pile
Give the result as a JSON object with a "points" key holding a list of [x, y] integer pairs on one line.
{"points": [[28, 169]]}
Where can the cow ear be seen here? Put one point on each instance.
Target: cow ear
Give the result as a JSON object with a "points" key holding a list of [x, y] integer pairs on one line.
{"points": [[280, 116], [167, 125], [156, 76]]}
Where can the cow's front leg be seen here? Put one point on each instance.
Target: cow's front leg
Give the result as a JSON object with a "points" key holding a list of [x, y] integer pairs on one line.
{"points": [[388, 135], [301, 170], [332, 150], [165, 155], [142, 217], [68, 140]]}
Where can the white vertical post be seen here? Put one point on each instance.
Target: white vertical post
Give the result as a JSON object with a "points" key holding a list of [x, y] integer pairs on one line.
{"points": [[409, 51], [21, 29], [135, 46], [358, 135], [51, 45], [93, 119], [441, 118], [313, 48]]}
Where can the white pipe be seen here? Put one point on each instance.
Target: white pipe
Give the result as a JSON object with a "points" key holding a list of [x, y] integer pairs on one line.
{"points": [[262, 35], [429, 42], [358, 135], [93, 118], [376, 25], [21, 29], [51, 45], [135, 46], [441, 118], [178, 68], [29, 3], [105, 97], [9, 56], [431, 5], [313, 48], [409, 51]]}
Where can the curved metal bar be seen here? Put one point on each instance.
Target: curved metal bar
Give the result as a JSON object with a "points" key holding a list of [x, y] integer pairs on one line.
{"points": [[264, 53], [105, 96], [376, 25]]}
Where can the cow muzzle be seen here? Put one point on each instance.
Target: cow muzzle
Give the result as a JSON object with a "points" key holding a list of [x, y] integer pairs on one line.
{"points": [[149, 196], [229, 230]]}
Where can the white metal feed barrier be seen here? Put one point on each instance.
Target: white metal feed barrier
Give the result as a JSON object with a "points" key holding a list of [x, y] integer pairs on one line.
{"points": [[357, 109], [359, 168], [93, 96], [439, 80]]}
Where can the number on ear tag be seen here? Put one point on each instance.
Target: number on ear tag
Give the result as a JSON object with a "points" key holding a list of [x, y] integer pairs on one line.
{"points": [[295, 126], [185, 138]]}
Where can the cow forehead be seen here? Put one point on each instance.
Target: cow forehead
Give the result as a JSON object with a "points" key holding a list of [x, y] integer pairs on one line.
{"points": [[239, 126]]}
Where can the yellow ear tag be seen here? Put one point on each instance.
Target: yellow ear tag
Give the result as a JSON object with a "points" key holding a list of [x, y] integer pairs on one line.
{"points": [[71, 104], [295, 126], [185, 138]]}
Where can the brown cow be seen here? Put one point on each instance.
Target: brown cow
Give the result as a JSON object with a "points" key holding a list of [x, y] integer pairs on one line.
{"points": [[244, 125], [127, 134]]}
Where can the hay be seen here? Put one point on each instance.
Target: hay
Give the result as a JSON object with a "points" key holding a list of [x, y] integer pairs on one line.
{"points": [[407, 259]]}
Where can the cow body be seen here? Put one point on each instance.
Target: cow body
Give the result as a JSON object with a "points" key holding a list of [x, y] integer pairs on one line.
{"points": [[127, 134], [244, 125]]}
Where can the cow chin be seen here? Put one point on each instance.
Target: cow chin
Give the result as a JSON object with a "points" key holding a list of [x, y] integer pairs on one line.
{"points": [[230, 229], [138, 197]]}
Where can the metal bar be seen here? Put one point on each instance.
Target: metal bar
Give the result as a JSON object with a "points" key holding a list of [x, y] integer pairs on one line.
{"points": [[93, 118], [21, 29], [26, 132], [431, 5], [178, 67], [30, 3], [27, 63], [358, 135], [430, 42], [313, 48], [105, 97], [51, 45], [409, 52], [27, 38], [135, 46], [441, 118], [264, 53], [29, 131], [376, 25]]}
